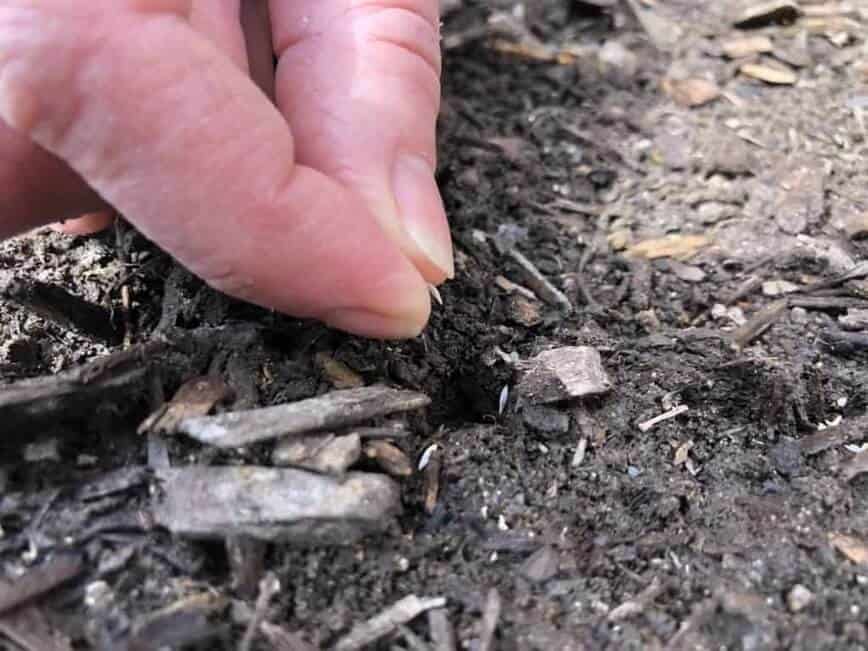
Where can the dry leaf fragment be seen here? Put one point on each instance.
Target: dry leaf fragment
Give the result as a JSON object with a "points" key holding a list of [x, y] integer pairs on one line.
{"points": [[770, 74], [738, 48], [669, 246], [338, 374], [853, 548], [691, 92], [683, 452]]}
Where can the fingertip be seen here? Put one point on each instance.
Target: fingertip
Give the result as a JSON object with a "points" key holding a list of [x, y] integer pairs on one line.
{"points": [[85, 225], [405, 318]]}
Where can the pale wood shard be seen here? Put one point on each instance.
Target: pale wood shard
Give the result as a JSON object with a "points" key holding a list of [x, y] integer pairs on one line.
{"points": [[325, 453], [274, 504], [777, 75], [490, 619], [196, 397], [405, 610], [389, 457], [563, 374], [337, 409]]}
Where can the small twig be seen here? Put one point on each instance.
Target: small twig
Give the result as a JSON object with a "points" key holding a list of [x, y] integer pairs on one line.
{"points": [[759, 323], [403, 611], [541, 285], [490, 617], [666, 415], [268, 587]]}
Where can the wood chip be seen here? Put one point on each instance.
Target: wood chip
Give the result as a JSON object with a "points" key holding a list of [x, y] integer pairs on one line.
{"points": [[196, 397], [283, 640], [274, 504], [337, 409], [682, 454], [759, 14], [542, 565], [183, 623], [246, 558], [379, 626], [676, 246], [490, 618], [692, 92], [853, 548], [389, 457], [856, 466], [563, 374], [30, 629], [39, 580], [442, 631], [738, 48], [325, 453], [777, 75], [338, 374]]}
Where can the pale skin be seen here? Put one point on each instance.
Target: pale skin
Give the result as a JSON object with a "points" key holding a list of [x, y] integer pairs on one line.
{"points": [[308, 189]]}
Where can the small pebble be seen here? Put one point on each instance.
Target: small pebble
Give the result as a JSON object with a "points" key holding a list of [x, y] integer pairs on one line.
{"points": [[799, 598]]}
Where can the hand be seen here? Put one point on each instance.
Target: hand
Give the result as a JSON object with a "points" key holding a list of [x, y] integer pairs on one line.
{"points": [[319, 201]]}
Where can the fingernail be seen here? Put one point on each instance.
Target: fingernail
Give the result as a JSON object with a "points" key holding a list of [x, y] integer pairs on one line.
{"points": [[371, 324], [422, 211]]}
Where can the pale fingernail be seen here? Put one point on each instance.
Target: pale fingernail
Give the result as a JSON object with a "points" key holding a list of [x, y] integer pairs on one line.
{"points": [[422, 212], [370, 324]]}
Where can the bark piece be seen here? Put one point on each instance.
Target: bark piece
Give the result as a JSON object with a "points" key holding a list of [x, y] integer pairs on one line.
{"points": [[274, 504], [562, 374], [39, 580], [336, 409]]}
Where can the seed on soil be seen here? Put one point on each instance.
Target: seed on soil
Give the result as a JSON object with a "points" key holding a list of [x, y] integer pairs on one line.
{"points": [[386, 622], [779, 287], [389, 457], [274, 504], [338, 409], [324, 453], [196, 397], [562, 374]]}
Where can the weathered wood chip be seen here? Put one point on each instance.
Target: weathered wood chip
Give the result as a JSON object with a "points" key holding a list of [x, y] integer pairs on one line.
{"points": [[402, 612], [759, 323], [442, 631], [274, 504], [853, 548], [39, 580], [676, 246], [490, 618], [563, 374], [283, 640], [389, 457], [800, 200], [856, 466], [320, 452], [180, 624], [196, 397], [759, 14], [29, 628], [337, 409], [691, 92], [542, 565], [776, 74], [737, 48]]}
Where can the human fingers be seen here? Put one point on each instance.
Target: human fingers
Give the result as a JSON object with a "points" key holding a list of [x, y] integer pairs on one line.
{"points": [[216, 185], [358, 81]]}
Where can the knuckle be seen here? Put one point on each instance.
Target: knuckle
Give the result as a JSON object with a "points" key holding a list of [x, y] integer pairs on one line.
{"points": [[399, 25]]}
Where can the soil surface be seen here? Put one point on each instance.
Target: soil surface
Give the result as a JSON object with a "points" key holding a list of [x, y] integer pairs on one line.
{"points": [[702, 209]]}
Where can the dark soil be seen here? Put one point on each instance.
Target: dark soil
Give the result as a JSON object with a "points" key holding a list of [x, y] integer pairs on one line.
{"points": [[719, 528]]}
